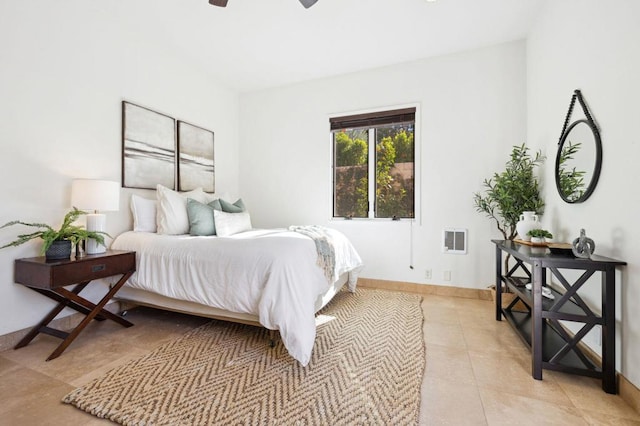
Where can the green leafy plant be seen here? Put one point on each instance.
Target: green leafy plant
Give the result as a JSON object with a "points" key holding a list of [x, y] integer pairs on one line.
{"points": [[539, 233], [511, 192], [394, 194], [571, 181], [67, 231]]}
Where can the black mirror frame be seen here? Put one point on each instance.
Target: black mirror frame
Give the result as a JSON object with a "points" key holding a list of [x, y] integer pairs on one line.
{"points": [[563, 137], [596, 170]]}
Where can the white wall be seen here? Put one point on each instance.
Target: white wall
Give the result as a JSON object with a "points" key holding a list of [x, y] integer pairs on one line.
{"points": [[593, 46], [66, 66], [473, 109]]}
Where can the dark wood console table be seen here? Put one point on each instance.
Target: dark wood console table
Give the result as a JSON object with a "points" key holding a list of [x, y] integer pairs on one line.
{"points": [[50, 277], [552, 347]]}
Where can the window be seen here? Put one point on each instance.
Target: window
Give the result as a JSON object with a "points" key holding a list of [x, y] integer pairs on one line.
{"points": [[374, 164]]}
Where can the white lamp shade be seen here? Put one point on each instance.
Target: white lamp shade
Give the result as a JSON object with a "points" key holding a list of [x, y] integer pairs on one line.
{"points": [[90, 194]]}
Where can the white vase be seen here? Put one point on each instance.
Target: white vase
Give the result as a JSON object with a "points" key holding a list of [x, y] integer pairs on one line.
{"points": [[528, 221]]}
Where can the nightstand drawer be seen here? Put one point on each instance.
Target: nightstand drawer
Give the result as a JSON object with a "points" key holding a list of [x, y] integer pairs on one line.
{"points": [[36, 272]]}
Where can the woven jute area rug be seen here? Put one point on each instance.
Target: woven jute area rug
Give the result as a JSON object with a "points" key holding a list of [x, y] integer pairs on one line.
{"points": [[366, 369]]}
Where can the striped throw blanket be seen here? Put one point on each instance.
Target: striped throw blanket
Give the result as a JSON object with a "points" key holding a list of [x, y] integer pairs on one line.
{"points": [[324, 245]]}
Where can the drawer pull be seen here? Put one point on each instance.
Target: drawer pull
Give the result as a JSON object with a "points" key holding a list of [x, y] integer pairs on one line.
{"points": [[98, 268]]}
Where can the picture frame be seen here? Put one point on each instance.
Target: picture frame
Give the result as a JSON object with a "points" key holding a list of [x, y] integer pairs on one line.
{"points": [[196, 158], [148, 148]]}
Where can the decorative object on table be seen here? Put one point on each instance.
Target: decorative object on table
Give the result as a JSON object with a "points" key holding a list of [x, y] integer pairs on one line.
{"points": [[96, 195], [527, 222], [80, 251], [563, 249], [579, 156], [511, 192], [546, 291], [148, 148], [539, 236], [57, 244], [195, 158], [583, 246]]}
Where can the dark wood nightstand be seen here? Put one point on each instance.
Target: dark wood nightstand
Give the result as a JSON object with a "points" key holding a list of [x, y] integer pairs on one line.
{"points": [[50, 277]]}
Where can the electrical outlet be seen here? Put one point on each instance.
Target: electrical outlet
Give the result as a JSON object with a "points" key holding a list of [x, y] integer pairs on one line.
{"points": [[427, 274], [446, 275]]}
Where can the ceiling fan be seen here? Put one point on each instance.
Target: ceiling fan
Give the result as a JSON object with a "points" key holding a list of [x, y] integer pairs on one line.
{"points": [[223, 3]]}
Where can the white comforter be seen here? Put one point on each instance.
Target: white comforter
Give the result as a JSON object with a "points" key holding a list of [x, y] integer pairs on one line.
{"points": [[272, 274]]}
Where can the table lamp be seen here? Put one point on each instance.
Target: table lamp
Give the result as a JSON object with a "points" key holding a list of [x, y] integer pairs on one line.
{"points": [[95, 195]]}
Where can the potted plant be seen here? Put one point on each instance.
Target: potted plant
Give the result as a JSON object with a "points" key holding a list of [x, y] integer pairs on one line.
{"points": [[57, 243], [511, 192], [539, 235]]}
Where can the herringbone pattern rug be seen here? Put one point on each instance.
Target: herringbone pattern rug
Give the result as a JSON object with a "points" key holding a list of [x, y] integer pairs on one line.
{"points": [[366, 369]]}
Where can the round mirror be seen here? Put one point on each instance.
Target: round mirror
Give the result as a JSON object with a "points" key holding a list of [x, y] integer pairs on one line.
{"points": [[578, 161]]}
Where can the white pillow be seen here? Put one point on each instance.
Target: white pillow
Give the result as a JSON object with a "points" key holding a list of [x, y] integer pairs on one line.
{"points": [[231, 223], [172, 218], [144, 214]]}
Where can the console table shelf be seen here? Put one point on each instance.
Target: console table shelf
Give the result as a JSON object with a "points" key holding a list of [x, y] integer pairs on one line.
{"points": [[552, 343], [552, 346], [569, 309]]}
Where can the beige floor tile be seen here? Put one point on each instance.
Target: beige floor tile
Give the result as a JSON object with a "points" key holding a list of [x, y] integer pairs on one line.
{"points": [[23, 389], [601, 419], [586, 393], [441, 315], [444, 335], [81, 357], [7, 366], [448, 403], [102, 343], [501, 341], [447, 363], [481, 319], [438, 301], [132, 354], [143, 336], [502, 408], [464, 304], [506, 374]]}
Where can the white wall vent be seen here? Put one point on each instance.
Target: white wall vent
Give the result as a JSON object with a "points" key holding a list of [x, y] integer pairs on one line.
{"points": [[454, 240]]}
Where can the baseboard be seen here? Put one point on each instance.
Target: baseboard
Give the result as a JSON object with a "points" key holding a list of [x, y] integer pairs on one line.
{"points": [[629, 392], [8, 341], [467, 293]]}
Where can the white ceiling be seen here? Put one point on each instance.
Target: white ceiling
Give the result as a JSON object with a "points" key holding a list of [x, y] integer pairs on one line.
{"points": [[256, 44]]}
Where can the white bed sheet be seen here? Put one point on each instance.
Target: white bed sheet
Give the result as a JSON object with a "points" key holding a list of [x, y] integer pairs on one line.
{"points": [[272, 274]]}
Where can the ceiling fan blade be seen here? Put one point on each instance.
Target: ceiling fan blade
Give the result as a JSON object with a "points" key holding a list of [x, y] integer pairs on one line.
{"points": [[221, 3], [308, 3]]}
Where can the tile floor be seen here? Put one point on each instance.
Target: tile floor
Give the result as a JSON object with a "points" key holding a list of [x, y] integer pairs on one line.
{"points": [[477, 372]]}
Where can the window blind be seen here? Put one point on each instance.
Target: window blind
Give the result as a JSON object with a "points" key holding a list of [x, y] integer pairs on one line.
{"points": [[373, 119]]}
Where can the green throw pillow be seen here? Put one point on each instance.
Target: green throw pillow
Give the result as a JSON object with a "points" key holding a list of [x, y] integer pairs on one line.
{"points": [[237, 207], [201, 217]]}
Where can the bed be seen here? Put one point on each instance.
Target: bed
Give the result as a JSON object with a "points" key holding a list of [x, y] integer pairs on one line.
{"points": [[276, 278]]}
